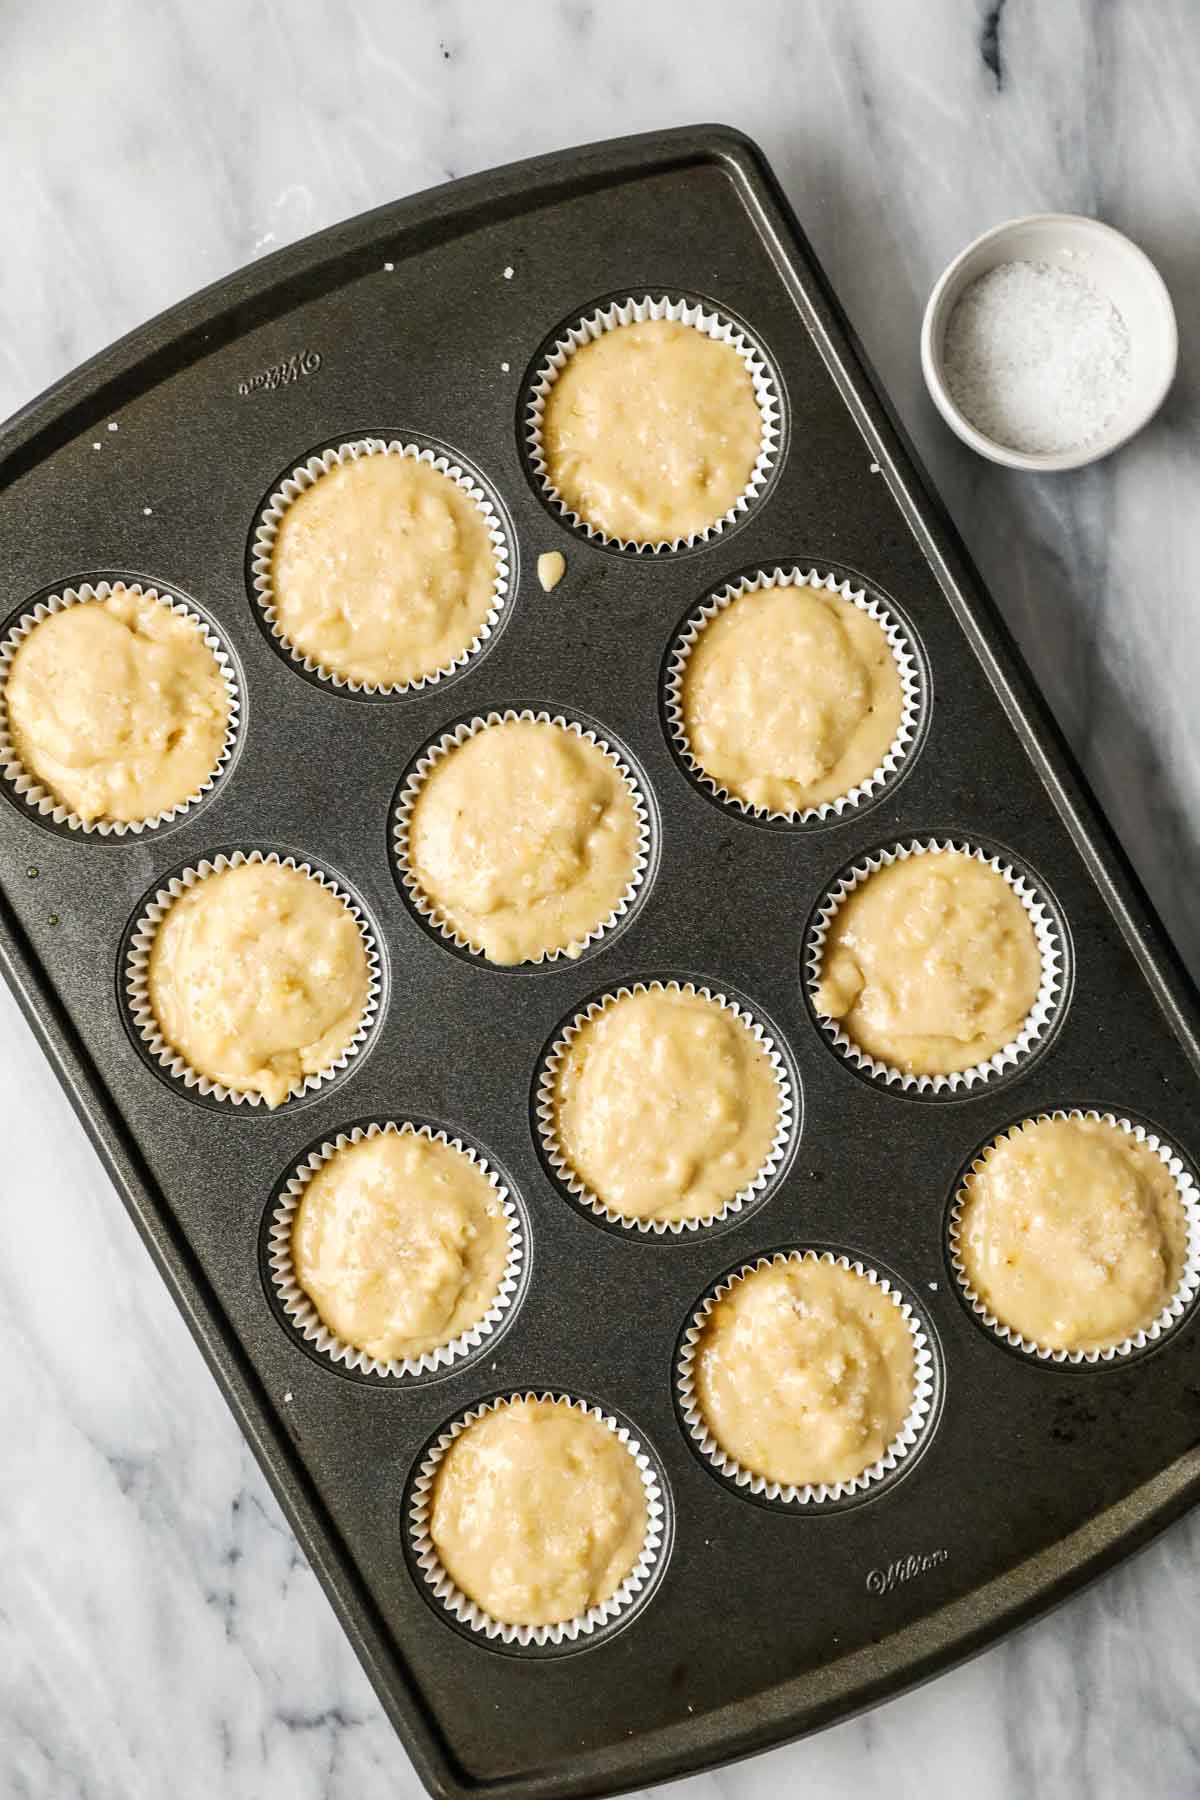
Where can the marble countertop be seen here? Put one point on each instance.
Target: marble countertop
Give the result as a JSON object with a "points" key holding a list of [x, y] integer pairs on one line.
{"points": [[159, 1631]]}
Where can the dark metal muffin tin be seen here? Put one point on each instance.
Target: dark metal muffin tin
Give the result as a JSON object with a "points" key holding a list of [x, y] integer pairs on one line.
{"points": [[767, 1621]]}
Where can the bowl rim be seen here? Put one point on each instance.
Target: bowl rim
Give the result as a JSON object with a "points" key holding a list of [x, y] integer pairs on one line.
{"points": [[1038, 462]]}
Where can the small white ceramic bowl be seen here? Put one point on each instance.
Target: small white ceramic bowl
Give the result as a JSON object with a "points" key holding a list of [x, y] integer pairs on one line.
{"points": [[1118, 269]]}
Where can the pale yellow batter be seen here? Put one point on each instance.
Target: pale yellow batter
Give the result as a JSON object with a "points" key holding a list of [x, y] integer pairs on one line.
{"points": [[383, 570], [665, 1105], [400, 1242], [551, 567], [524, 839], [1072, 1233], [258, 977], [117, 707], [652, 432], [805, 1372], [931, 965], [539, 1512], [791, 697]]}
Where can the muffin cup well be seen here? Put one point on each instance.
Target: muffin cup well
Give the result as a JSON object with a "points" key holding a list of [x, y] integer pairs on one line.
{"points": [[634, 310], [544, 1111], [1042, 1014], [298, 482], [1179, 1302], [898, 643], [136, 973], [410, 792], [916, 1422], [468, 1612], [30, 789], [302, 1314]]}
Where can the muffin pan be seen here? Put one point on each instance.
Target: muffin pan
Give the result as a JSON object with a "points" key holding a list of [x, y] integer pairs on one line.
{"points": [[427, 323]]}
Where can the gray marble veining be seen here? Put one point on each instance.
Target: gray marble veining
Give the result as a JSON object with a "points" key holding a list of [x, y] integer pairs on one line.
{"points": [[159, 1633]]}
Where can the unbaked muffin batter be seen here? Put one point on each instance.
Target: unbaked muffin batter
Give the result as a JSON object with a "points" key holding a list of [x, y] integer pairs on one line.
{"points": [[539, 1512], [652, 432], [383, 570], [258, 977], [1072, 1233], [791, 697], [400, 1241], [551, 567], [524, 838], [805, 1372], [665, 1105], [931, 964], [117, 707]]}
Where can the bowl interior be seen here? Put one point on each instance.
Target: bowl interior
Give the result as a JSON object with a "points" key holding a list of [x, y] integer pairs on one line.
{"points": [[1119, 270]]}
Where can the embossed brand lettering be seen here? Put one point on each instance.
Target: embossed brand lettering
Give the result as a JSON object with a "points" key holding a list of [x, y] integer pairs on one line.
{"points": [[882, 1581], [300, 363]]}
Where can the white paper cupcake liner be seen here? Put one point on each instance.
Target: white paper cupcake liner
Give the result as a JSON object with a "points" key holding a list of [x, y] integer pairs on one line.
{"points": [[300, 1310], [302, 478], [1177, 1305], [628, 312], [466, 1610], [137, 969], [547, 1130], [898, 643], [419, 775], [810, 1494], [30, 789], [1041, 1014]]}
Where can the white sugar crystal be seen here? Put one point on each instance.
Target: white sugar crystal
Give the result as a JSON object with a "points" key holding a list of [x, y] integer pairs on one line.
{"points": [[1037, 358]]}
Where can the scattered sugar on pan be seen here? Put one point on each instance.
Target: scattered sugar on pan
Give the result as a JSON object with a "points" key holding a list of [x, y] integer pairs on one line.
{"points": [[1037, 358]]}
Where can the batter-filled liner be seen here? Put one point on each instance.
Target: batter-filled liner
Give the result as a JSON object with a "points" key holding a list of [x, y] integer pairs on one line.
{"points": [[136, 967], [545, 1108], [568, 1632], [608, 317], [47, 807], [1181, 1298], [414, 784], [300, 481], [903, 742], [1043, 1015], [745, 1481], [301, 1312]]}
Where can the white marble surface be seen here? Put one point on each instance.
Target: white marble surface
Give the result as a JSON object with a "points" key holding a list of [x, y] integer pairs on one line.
{"points": [[159, 1633]]}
